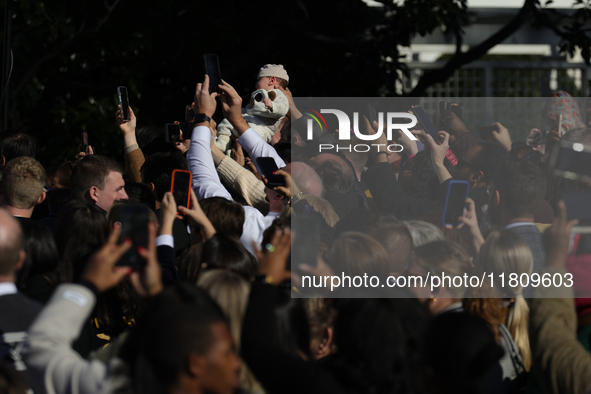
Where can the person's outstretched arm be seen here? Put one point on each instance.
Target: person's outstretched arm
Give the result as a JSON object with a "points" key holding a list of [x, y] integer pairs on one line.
{"points": [[560, 362], [249, 139], [206, 182]]}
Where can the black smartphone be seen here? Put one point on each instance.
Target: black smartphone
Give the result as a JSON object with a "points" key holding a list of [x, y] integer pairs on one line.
{"points": [[188, 114], [425, 121], [572, 161], [84, 139], [267, 165], [173, 132], [486, 132], [124, 101], [134, 219], [371, 113], [455, 201], [212, 69], [578, 206], [181, 188]]}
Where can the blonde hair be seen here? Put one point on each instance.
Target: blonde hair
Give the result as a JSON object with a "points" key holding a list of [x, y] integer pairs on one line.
{"points": [[230, 291], [22, 182], [505, 252], [324, 208]]}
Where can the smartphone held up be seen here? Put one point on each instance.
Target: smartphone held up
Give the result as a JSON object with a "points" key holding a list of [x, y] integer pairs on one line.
{"points": [[455, 202], [212, 69], [124, 102], [134, 219], [181, 188]]}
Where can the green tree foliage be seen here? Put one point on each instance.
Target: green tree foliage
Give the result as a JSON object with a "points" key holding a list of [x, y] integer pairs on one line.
{"points": [[70, 56]]}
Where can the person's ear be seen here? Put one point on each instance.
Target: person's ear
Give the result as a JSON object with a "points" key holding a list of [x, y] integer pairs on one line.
{"points": [[496, 198], [477, 176], [3, 161], [22, 255], [41, 198], [152, 187], [196, 366], [325, 343], [94, 193]]}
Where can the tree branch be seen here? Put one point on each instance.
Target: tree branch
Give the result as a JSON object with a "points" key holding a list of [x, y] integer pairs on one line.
{"points": [[460, 58]]}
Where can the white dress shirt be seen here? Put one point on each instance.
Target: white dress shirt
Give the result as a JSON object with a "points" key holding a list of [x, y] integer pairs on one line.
{"points": [[7, 288], [206, 182]]}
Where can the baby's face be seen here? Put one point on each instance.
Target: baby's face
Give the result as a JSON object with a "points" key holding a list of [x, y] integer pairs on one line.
{"points": [[264, 83]]}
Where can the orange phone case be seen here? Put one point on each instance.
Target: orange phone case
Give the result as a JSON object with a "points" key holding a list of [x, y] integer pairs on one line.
{"points": [[188, 205]]}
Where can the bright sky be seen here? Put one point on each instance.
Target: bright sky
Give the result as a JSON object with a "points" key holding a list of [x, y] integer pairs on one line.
{"points": [[500, 3], [515, 3]]}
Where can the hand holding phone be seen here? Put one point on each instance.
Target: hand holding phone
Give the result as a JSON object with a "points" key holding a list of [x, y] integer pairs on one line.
{"points": [[267, 166], [124, 102], [181, 188], [212, 69], [425, 121], [134, 219], [84, 136], [455, 202], [172, 132], [101, 270], [148, 282]]}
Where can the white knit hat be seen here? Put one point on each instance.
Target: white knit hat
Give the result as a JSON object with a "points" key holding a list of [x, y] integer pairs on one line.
{"points": [[273, 70]]}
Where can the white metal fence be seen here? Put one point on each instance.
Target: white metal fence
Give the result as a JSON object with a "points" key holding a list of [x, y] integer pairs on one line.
{"points": [[489, 81]]}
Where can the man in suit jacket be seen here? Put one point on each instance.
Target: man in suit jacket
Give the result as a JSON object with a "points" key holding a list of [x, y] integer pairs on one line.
{"points": [[16, 310], [515, 194]]}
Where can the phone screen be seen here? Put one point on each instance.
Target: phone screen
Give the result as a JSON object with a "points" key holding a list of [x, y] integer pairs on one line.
{"points": [[455, 201], [181, 187], [124, 101], [212, 69], [84, 140], [134, 221], [578, 207], [267, 165], [371, 113], [572, 161], [425, 121], [173, 132]]}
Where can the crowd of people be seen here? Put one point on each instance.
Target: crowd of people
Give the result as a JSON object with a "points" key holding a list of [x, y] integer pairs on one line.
{"points": [[217, 303]]}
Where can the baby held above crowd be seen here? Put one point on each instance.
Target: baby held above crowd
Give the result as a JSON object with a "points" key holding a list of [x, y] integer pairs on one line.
{"points": [[266, 109]]}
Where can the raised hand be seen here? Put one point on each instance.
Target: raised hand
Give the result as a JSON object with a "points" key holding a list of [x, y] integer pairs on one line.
{"points": [[148, 282], [101, 270]]}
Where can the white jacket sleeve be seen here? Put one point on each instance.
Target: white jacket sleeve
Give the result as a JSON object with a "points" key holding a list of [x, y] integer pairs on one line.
{"points": [[257, 147], [206, 182], [48, 349]]}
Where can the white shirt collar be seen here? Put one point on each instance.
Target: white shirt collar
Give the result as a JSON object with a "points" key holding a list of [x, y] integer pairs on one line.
{"points": [[7, 288], [517, 224]]}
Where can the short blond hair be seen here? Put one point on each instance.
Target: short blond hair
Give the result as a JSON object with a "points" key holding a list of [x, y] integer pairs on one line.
{"points": [[22, 182]]}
